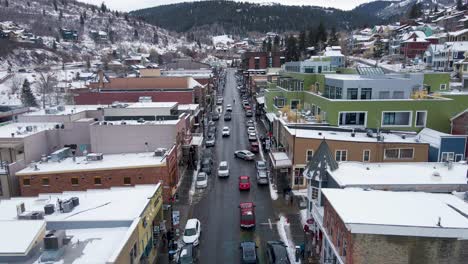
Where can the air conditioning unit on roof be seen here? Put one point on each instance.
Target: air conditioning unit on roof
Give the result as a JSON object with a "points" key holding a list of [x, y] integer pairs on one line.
{"points": [[159, 152], [94, 156]]}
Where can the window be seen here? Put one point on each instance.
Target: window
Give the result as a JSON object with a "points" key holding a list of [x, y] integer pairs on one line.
{"points": [[314, 194], [298, 177], [465, 67], [344, 248], [366, 155], [352, 119], [45, 181], [295, 103], [458, 157], [341, 155], [309, 155], [366, 93], [443, 86], [398, 95], [421, 117], [384, 95], [257, 63], [399, 153], [396, 118], [352, 94], [127, 180], [26, 181], [279, 102], [97, 180], [447, 156], [74, 181]]}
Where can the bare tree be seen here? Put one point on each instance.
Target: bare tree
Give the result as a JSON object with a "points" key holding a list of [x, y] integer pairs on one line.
{"points": [[47, 83], [15, 84]]}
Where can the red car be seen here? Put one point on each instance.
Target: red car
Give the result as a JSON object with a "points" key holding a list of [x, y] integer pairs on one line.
{"points": [[247, 215], [244, 183], [254, 147]]}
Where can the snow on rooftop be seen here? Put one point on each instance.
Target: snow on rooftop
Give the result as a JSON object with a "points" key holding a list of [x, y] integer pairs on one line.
{"points": [[25, 233], [68, 110], [223, 39], [400, 213], [111, 162], [346, 136], [431, 136], [20, 129], [351, 174], [188, 107], [152, 105], [114, 204]]}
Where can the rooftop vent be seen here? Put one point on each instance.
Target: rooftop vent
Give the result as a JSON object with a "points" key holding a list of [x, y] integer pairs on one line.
{"points": [[54, 239], [159, 152], [370, 133], [94, 156]]}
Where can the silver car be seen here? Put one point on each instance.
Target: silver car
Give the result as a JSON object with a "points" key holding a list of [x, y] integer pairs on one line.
{"points": [[262, 177]]}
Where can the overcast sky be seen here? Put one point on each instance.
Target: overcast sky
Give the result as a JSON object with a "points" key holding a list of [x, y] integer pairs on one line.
{"points": [[128, 5]]}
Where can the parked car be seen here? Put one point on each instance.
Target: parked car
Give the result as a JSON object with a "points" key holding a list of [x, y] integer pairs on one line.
{"points": [[254, 148], [250, 123], [226, 131], [202, 180], [244, 183], [260, 165], [244, 154], [247, 214], [187, 255], [277, 253], [192, 232], [228, 108], [206, 166], [223, 169], [227, 116], [248, 252], [215, 117], [252, 137], [251, 129], [248, 113], [210, 141], [262, 177]]}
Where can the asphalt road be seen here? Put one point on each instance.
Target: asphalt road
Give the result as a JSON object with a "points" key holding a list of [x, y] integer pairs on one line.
{"points": [[217, 206]]}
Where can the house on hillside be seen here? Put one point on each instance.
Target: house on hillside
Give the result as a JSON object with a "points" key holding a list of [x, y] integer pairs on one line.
{"points": [[69, 34]]}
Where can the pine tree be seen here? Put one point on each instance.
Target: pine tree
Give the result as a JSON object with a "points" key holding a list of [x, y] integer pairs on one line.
{"points": [[55, 5], [292, 53], [54, 45], [269, 45], [321, 33], [85, 16], [155, 37], [135, 34], [276, 43], [103, 7], [460, 5], [264, 45], [436, 8], [126, 17], [333, 40], [302, 45], [60, 15], [312, 38], [415, 11], [43, 12], [199, 44], [27, 97], [81, 20], [7, 4]]}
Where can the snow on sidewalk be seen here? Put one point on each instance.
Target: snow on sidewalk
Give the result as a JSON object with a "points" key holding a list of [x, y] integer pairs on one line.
{"points": [[285, 235], [273, 191]]}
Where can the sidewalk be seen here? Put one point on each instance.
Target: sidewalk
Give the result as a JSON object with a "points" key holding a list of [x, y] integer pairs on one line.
{"points": [[181, 205], [294, 230]]}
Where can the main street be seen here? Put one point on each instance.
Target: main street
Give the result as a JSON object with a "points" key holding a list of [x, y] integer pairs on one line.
{"points": [[217, 206]]}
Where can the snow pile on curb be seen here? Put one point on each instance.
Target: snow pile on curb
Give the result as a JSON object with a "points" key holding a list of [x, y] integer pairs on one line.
{"points": [[285, 235], [273, 192], [303, 214], [192, 187]]}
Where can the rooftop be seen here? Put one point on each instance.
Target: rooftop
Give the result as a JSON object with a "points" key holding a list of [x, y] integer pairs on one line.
{"points": [[22, 130], [153, 105], [346, 136], [94, 238], [351, 174], [400, 213], [109, 162], [67, 110]]}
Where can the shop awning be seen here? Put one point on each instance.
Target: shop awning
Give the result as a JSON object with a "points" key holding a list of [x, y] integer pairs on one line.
{"points": [[280, 160], [261, 100]]}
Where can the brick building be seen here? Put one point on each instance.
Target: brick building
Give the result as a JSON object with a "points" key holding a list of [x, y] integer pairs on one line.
{"points": [[358, 226], [259, 60], [84, 173]]}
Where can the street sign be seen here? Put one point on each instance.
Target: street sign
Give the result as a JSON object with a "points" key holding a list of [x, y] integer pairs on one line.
{"points": [[175, 217]]}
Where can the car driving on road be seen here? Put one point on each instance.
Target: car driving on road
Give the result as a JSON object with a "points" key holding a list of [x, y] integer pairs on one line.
{"points": [[247, 214], [244, 183], [252, 137], [248, 252], [226, 132], [244, 154], [223, 169], [260, 165], [228, 108], [227, 116]]}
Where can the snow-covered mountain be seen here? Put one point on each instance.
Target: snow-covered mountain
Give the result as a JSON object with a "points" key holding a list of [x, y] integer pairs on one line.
{"points": [[45, 18], [397, 8]]}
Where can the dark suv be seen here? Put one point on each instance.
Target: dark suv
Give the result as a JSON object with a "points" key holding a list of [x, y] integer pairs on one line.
{"points": [[187, 255], [277, 253], [248, 252]]}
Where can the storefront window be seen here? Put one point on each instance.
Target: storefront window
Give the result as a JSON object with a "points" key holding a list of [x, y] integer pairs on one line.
{"points": [[298, 177]]}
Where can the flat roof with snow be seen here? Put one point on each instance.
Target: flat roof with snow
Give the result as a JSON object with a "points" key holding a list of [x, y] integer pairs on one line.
{"points": [[99, 226], [20, 130], [400, 213], [346, 136], [353, 174], [68, 110], [109, 162], [153, 105]]}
